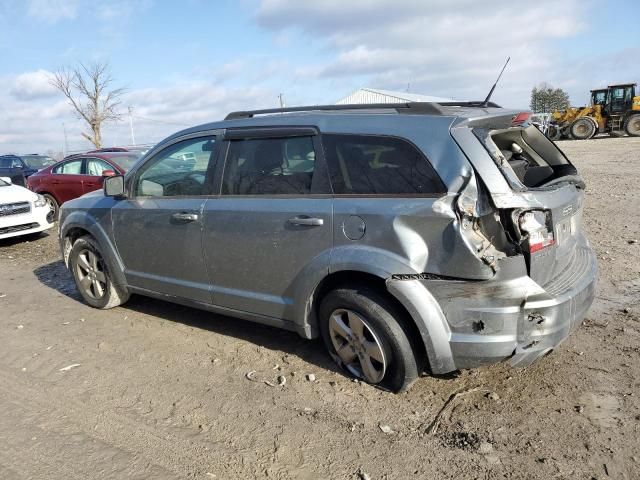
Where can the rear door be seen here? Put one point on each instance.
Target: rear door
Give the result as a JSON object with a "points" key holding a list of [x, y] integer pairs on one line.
{"points": [[66, 180], [271, 226], [158, 227]]}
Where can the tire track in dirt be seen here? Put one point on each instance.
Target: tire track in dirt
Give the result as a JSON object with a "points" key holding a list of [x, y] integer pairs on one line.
{"points": [[173, 457]]}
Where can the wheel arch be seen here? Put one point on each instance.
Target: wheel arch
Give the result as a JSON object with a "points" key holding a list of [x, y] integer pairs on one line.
{"points": [[48, 192], [422, 317], [75, 226]]}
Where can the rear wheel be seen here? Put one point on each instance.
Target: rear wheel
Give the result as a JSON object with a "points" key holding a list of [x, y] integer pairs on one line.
{"points": [[54, 209], [632, 125], [583, 129], [92, 276], [365, 335]]}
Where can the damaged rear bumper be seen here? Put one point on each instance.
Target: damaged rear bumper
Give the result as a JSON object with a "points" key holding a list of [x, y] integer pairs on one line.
{"points": [[466, 324]]}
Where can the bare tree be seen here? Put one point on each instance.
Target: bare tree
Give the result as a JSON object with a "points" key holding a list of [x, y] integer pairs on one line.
{"points": [[87, 87]]}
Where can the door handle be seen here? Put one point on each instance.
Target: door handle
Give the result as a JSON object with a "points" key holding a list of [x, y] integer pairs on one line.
{"points": [[308, 221], [185, 217]]}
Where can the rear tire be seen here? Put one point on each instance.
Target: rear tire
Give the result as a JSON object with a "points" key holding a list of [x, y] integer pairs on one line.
{"points": [[583, 129], [54, 208], [632, 125], [365, 335], [92, 276]]}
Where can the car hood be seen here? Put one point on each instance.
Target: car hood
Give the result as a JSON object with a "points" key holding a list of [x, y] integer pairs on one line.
{"points": [[15, 194]]}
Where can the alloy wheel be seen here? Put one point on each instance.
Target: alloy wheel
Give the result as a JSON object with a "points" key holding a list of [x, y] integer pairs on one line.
{"points": [[53, 208], [90, 273], [357, 346]]}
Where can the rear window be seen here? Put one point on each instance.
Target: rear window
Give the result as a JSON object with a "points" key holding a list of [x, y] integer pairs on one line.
{"points": [[525, 156], [125, 162], [38, 161], [379, 165]]}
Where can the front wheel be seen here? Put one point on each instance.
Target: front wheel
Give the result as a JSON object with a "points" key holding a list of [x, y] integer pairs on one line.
{"points": [[54, 209], [365, 334], [583, 129], [92, 276]]}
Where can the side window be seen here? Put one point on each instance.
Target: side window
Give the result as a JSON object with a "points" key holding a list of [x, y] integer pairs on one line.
{"points": [[17, 163], [269, 166], [72, 167], [377, 165], [178, 170], [95, 167]]}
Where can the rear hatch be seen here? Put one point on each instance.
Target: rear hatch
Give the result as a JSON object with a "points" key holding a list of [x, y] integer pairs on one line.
{"points": [[538, 192]]}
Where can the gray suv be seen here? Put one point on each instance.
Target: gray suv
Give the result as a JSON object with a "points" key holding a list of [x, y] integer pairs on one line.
{"points": [[410, 237]]}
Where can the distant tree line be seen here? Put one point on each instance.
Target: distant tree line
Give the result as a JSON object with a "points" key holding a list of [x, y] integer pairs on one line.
{"points": [[545, 98]]}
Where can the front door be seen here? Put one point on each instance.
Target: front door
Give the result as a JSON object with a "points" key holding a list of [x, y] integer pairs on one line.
{"points": [[158, 228], [271, 226], [92, 178]]}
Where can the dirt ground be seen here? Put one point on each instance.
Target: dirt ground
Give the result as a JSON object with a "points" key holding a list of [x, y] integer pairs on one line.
{"points": [[160, 391]]}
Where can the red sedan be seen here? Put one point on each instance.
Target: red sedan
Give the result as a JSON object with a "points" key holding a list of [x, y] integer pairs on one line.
{"points": [[76, 175]]}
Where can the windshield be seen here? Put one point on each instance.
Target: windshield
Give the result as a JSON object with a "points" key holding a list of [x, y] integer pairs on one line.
{"points": [[38, 161], [126, 161]]}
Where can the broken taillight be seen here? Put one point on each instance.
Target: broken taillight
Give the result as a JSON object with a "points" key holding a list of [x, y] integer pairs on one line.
{"points": [[535, 224], [520, 118]]}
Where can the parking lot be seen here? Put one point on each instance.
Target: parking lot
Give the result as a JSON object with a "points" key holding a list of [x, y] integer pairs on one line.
{"points": [[156, 390]]}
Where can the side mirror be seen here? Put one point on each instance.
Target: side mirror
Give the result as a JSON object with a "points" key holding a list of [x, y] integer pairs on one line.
{"points": [[108, 173], [7, 179], [114, 186]]}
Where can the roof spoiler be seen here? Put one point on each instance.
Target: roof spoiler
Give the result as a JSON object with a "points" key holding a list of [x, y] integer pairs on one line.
{"points": [[415, 108]]}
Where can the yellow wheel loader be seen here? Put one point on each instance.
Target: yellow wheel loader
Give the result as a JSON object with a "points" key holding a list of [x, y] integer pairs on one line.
{"points": [[614, 110]]}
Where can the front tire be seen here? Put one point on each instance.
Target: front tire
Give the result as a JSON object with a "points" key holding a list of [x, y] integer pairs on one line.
{"points": [[365, 334], [92, 276], [583, 129], [54, 208]]}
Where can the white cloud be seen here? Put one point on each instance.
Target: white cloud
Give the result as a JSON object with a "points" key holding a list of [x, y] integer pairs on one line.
{"points": [[52, 11], [33, 121], [30, 85], [452, 49]]}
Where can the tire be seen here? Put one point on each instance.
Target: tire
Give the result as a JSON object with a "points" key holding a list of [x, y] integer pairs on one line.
{"points": [[554, 133], [632, 125], [582, 129], [596, 127], [379, 349], [86, 262], [54, 208]]}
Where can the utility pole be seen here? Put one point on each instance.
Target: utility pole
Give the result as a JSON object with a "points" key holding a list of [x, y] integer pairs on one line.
{"points": [[66, 141], [281, 98], [133, 138]]}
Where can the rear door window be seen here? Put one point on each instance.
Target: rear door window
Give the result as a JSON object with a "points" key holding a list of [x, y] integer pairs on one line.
{"points": [[270, 166], [72, 167], [379, 165]]}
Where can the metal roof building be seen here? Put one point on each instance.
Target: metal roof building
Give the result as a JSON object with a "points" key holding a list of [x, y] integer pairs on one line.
{"points": [[372, 95]]}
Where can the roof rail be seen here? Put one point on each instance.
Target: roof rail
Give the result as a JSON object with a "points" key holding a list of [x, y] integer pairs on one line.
{"points": [[409, 107], [473, 104], [415, 108]]}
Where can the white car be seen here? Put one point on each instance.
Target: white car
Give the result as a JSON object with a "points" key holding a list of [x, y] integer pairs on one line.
{"points": [[21, 211]]}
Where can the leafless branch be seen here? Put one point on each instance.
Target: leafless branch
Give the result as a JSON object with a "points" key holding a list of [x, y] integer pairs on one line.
{"points": [[87, 88]]}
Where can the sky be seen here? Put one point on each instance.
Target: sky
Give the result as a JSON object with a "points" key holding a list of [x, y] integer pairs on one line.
{"points": [[191, 62]]}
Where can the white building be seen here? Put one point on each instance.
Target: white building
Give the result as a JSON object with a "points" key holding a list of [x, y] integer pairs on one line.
{"points": [[373, 95]]}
